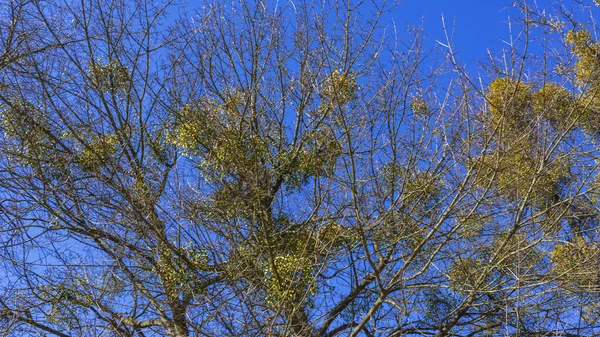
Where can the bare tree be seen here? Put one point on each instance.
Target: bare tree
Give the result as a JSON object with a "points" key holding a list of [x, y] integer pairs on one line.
{"points": [[293, 168]]}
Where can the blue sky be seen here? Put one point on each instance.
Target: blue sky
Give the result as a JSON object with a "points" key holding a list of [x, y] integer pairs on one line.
{"points": [[478, 24]]}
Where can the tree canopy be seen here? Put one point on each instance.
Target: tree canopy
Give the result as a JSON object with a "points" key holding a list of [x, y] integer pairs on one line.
{"points": [[295, 168]]}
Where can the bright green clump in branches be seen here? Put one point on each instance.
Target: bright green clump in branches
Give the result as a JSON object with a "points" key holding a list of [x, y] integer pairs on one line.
{"points": [[517, 117], [420, 107], [296, 253], [110, 76], [509, 102], [464, 274], [587, 71], [290, 275], [423, 188], [504, 93], [192, 127], [289, 279], [98, 151], [515, 174], [179, 270], [28, 131], [515, 106], [340, 87], [222, 135], [219, 134], [286, 265], [316, 159], [332, 235], [576, 263], [555, 104], [24, 122], [587, 51]]}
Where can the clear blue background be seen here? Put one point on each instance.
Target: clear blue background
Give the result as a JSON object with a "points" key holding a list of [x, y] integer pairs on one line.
{"points": [[478, 24]]}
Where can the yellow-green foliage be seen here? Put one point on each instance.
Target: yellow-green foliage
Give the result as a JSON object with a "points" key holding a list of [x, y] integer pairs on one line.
{"points": [[193, 127], [62, 299], [419, 107], [340, 87], [555, 104], [179, 272], [332, 238], [110, 76], [238, 199], [396, 227], [289, 279], [187, 135], [509, 102], [514, 251], [587, 71], [332, 235], [464, 274], [233, 151], [423, 188], [317, 158], [513, 106], [513, 174], [234, 99], [97, 152], [320, 156], [285, 268], [471, 225], [28, 132], [589, 118], [577, 263], [220, 135], [21, 120], [587, 51], [421, 191], [285, 275], [245, 263]]}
